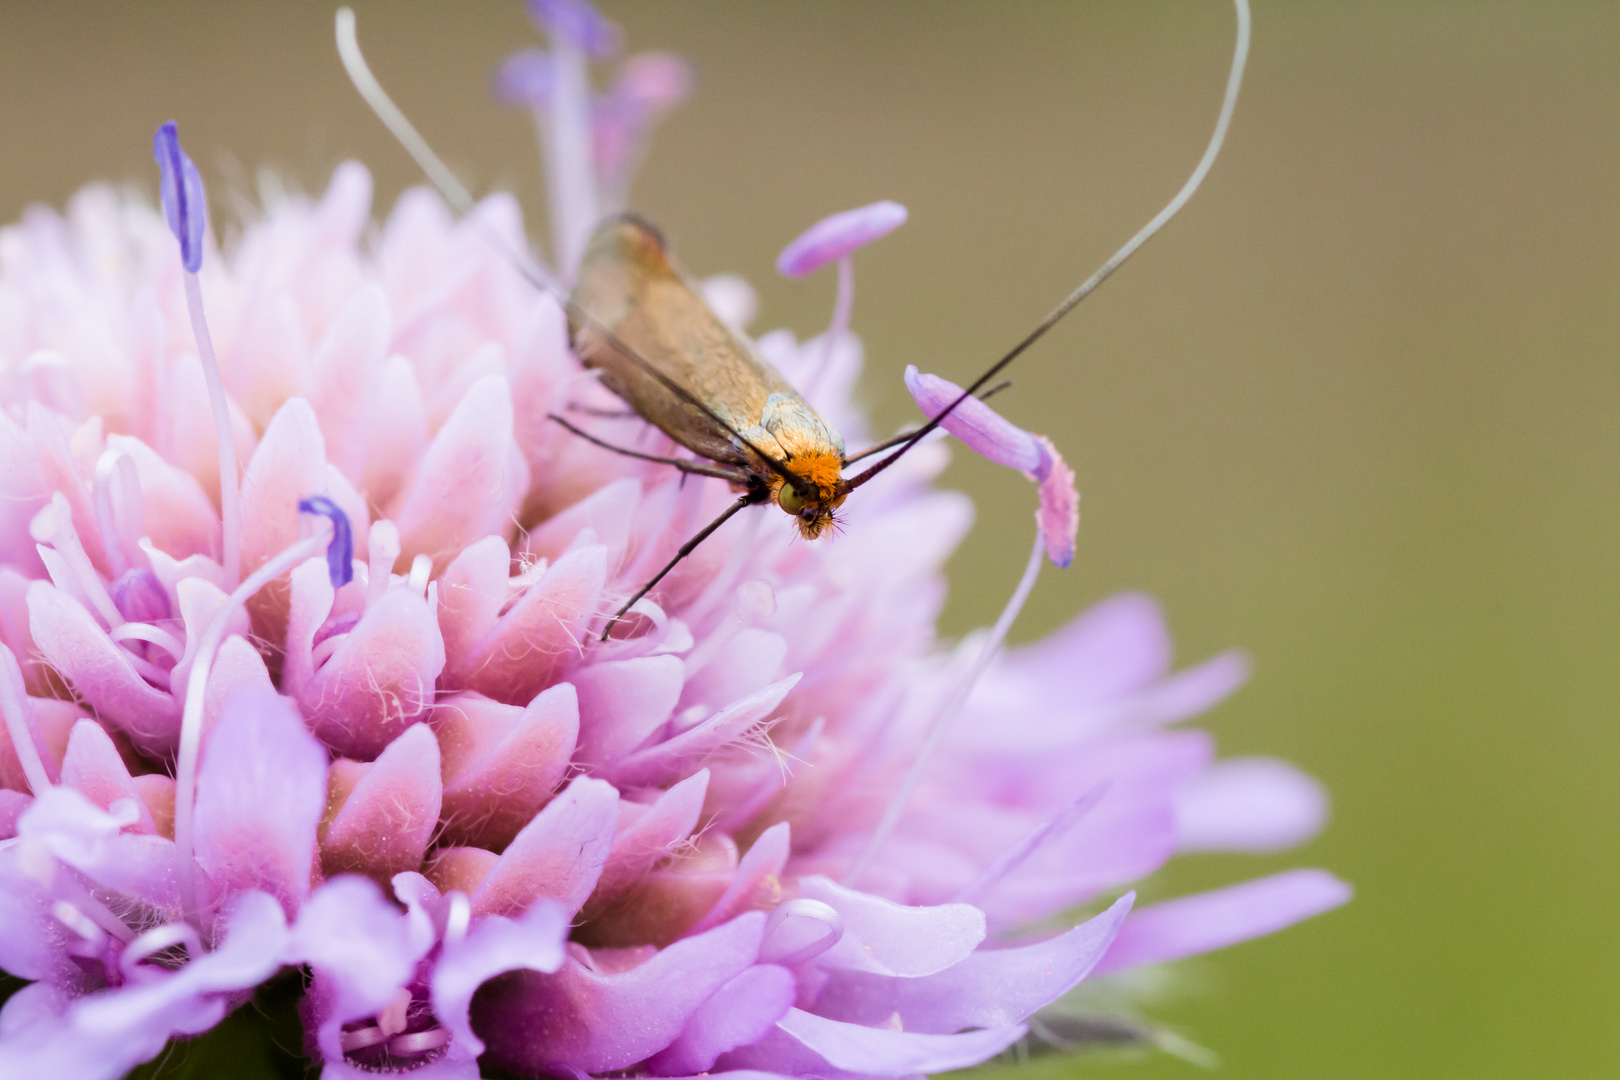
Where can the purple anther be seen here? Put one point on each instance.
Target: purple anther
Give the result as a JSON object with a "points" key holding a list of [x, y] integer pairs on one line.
{"points": [[835, 237], [340, 552], [579, 22], [140, 597], [184, 203], [525, 78], [987, 433]]}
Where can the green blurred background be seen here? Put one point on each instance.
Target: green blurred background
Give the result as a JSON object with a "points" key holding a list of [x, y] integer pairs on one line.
{"points": [[1358, 410]]}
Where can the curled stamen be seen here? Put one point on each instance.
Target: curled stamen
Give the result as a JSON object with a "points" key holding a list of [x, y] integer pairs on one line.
{"points": [[132, 961], [340, 553], [134, 631], [186, 208], [418, 1042]]}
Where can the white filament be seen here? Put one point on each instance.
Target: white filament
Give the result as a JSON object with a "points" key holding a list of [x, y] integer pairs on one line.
{"points": [[230, 509]]}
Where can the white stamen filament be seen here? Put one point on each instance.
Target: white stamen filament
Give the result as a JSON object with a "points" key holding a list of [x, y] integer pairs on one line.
{"points": [[156, 635], [191, 720], [942, 720], [14, 703], [158, 677], [53, 525], [421, 572], [839, 325], [230, 511], [1031, 842], [566, 134], [156, 940]]}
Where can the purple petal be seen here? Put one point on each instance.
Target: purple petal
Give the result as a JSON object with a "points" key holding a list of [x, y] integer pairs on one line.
{"points": [[93, 767], [837, 236], [195, 997], [1213, 920], [495, 945], [978, 425], [739, 1014], [385, 824], [1249, 804], [260, 794], [887, 938], [597, 1022], [525, 78], [559, 855], [882, 1052], [664, 762], [30, 940], [992, 988], [579, 22], [184, 204], [1059, 514], [361, 948]]}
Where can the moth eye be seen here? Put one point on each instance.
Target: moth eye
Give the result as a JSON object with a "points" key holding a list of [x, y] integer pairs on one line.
{"points": [[789, 499]]}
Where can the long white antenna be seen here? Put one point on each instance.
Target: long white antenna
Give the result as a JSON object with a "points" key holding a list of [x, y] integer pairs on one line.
{"points": [[354, 62]]}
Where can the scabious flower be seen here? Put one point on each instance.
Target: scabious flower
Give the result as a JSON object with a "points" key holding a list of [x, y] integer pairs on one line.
{"points": [[394, 756]]}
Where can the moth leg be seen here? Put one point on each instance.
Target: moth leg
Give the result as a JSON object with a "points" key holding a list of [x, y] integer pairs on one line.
{"points": [[602, 414], [751, 499], [904, 435], [701, 468]]}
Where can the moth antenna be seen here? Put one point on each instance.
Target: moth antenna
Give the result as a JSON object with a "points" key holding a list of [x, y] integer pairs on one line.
{"points": [[1240, 56], [461, 200]]}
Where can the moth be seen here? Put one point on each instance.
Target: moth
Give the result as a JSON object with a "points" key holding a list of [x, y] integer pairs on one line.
{"points": [[636, 319]]}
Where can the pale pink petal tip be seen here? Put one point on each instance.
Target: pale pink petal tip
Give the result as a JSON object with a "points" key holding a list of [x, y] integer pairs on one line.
{"points": [[654, 81], [834, 237], [1059, 514], [1203, 922]]}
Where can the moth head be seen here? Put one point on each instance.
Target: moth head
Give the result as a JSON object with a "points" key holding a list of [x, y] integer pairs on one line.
{"points": [[811, 493]]}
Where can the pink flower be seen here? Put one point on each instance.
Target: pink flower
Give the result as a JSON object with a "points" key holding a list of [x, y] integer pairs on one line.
{"points": [[395, 756]]}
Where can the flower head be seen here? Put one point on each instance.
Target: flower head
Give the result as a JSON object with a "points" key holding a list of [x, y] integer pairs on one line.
{"points": [[395, 756]]}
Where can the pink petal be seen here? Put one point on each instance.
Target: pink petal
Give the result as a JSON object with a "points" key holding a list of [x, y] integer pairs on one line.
{"points": [[646, 834], [532, 643], [471, 479], [260, 793], [12, 805], [472, 592], [662, 763], [622, 703], [289, 465], [344, 367], [381, 678], [392, 448], [180, 520], [978, 425], [92, 766], [1250, 804], [740, 1013], [502, 763], [79, 649], [991, 988], [757, 883], [558, 856], [837, 236], [384, 827], [1059, 513], [598, 1022], [1212, 920], [236, 665]]}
